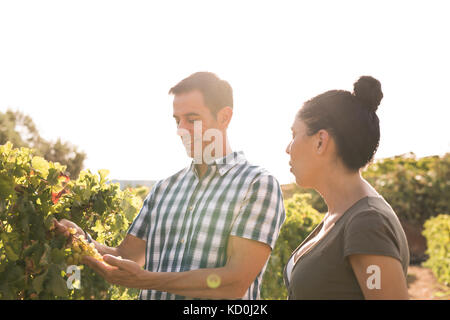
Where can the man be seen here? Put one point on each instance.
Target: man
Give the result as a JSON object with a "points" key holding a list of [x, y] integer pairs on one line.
{"points": [[208, 230]]}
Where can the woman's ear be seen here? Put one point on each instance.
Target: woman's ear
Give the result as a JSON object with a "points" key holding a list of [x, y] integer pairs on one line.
{"points": [[323, 138]]}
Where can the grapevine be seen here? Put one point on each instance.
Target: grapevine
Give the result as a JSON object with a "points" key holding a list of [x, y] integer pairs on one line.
{"points": [[80, 247], [34, 258]]}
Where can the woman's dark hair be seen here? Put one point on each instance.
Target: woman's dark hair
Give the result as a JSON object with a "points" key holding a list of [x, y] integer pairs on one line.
{"points": [[350, 118], [217, 93]]}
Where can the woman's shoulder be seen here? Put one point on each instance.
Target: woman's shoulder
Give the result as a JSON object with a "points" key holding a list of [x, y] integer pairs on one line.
{"points": [[373, 213], [374, 228], [372, 207]]}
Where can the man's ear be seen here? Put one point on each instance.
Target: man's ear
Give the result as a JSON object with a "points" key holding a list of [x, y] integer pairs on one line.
{"points": [[224, 117]]}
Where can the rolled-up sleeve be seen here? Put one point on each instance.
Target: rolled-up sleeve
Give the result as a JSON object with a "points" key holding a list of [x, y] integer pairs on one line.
{"points": [[262, 212]]}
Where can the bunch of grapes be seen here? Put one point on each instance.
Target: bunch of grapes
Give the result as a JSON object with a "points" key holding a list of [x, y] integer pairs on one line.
{"points": [[80, 248]]}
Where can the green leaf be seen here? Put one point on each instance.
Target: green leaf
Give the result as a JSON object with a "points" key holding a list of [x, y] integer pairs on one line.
{"points": [[10, 253], [6, 186], [37, 252], [24, 223], [4, 237], [103, 173], [6, 148], [56, 283], [41, 165], [58, 255], [38, 282], [99, 204], [53, 176], [99, 228], [31, 249], [46, 256], [85, 194], [49, 221]]}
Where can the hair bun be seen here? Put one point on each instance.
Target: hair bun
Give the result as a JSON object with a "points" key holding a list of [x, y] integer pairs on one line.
{"points": [[368, 90]]}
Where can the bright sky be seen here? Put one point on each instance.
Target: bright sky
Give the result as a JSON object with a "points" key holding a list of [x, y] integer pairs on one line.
{"points": [[97, 73]]}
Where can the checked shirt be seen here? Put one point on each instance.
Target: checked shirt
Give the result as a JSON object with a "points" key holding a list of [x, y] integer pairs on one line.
{"points": [[186, 221]]}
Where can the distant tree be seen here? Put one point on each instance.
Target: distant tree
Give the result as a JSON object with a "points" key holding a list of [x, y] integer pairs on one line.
{"points": [[20, 129]]}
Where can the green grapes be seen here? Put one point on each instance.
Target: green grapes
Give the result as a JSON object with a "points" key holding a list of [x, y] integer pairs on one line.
{"points": [[80, 248]]}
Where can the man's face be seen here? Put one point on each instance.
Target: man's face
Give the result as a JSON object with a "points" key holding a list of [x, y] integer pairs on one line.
{"points": [[189, 108]]}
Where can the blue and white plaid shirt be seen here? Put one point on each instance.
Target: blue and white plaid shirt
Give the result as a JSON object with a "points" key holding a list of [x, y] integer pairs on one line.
{"points": [[187, 221]]}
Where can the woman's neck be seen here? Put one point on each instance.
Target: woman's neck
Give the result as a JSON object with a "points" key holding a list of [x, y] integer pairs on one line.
{"points": [[341, 189]]}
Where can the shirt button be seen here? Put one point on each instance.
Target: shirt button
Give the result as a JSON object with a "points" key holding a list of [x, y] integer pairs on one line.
{"points": [[182, 241], [191, 208]]}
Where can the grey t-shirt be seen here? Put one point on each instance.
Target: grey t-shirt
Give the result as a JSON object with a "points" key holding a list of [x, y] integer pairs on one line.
{"points": [[369, 226]]}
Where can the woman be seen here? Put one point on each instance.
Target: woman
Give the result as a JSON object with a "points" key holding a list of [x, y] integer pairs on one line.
{"points": [[359, 250]]}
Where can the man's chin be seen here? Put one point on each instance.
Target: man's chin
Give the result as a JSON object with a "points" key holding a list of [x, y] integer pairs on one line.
{"points": [[190, 151], [191, 154]]}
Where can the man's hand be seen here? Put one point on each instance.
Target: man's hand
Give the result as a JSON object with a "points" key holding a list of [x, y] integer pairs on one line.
{"points": [[118, 271], [131, 247], [64, 225], [246, 258]]}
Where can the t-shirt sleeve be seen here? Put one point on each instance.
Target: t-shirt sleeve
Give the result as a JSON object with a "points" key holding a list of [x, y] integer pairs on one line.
{"points": [[262, 213], [370, 232], [140, 226]]}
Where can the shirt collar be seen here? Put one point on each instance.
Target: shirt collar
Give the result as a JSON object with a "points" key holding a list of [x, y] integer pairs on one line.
{"points": [[224, 164]]}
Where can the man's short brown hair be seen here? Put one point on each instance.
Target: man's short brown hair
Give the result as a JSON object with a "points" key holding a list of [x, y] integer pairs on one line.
{"points": [[217, 93]]}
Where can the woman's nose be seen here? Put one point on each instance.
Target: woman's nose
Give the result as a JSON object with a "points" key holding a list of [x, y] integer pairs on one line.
{"points": [[288, 149]]}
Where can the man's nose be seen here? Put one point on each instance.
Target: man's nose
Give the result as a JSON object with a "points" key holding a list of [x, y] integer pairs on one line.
{"points": [[182, 132], [182, 128]]}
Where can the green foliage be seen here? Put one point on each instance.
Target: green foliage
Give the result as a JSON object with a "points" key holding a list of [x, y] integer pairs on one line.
{"points": [[20, 130], [140, 191], [32, 256], [437, 233], [301, 219], [417, 189], [316, 199]]}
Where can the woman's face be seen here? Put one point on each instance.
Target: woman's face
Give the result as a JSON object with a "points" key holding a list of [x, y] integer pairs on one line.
{"points": [[302, 155]]}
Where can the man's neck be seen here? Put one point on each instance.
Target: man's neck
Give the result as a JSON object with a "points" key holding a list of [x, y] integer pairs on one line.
{"points": [[203, 167]]}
